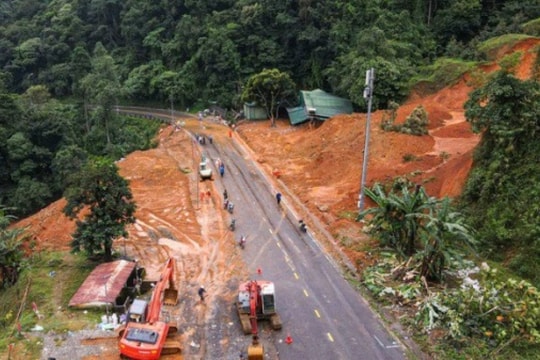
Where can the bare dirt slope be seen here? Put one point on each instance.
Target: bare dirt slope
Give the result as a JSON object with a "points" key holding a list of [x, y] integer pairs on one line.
{"points": [[321, 165]]}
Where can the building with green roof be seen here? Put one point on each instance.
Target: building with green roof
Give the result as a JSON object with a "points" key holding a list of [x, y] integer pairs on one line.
{"points": [[318, 105]]}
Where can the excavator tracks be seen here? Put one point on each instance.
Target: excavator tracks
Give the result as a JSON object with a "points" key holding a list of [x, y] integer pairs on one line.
{"points": [[171, 346], [246, 324], [275, 322]]}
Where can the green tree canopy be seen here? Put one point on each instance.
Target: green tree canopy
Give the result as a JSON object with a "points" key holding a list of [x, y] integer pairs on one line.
{"points": [[502, 187], [11, 251], [99, 188], [102, 87], [268, 88]]}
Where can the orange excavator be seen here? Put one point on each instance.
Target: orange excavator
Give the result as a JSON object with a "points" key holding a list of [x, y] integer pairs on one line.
{"points": [[256, 301], [146, 337]]}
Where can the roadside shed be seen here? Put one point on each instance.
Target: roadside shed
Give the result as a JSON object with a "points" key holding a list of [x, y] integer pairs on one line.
{"points": [[318, 105], [104, 286], [252, 111]]}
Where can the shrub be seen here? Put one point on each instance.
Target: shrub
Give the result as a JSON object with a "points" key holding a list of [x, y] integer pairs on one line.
{"points": [[496, 311], [416, 123]]}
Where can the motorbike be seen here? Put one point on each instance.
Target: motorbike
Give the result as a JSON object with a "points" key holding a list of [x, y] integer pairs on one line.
{"points": [[242, 242], [230, 207], [303, 227], [232, 225]]}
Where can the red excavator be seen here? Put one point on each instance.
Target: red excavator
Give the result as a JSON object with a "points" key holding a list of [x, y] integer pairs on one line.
{"points": [[256, 300], [146, 337]]}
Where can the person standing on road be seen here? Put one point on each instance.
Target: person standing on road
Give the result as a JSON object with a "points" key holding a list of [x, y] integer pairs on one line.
{"points": [[278, 198], [225, 195], [221, 169], [201, 293]]}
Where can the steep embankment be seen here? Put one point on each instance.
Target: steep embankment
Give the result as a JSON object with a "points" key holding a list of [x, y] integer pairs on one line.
{"points": [[323, 165]]}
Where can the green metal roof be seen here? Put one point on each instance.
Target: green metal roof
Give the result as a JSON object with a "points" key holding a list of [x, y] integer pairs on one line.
{"points": [[323, 105]]}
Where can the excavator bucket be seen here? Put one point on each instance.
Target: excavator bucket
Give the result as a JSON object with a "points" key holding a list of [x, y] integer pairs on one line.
{"points": [[255, 352], [170, 297]]}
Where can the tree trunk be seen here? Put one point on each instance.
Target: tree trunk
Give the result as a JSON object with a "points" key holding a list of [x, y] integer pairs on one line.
{"points": [[429, 13], [107, 132], [108, 252]]}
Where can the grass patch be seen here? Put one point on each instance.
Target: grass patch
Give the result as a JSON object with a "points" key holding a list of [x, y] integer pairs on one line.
{"points": [[532, 27], [442, 73], [347, 242], [49, 280], [409, 157], [444, 155], [429, 179], [491, 47], [348, 214]]}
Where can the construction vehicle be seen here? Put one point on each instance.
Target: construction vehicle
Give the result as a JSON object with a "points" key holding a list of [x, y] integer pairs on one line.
{"points": [[146, 332], [256, 301], [205, 171]]}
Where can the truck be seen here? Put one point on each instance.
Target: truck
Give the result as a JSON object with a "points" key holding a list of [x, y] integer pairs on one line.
{"points": [[205, 171], [145, 336]]}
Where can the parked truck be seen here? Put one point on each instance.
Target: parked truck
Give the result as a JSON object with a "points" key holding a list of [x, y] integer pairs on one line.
{"points": [[205, 171]]}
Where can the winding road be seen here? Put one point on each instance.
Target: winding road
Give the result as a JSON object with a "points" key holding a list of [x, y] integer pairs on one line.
{"points": [[321, 312], [323, 315]]}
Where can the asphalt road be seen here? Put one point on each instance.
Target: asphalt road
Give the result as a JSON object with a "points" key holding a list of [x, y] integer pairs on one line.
{"points": [[321, 313]]}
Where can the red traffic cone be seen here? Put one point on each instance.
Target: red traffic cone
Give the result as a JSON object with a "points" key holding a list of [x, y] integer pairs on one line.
{"points": [[259, 271], [289, 339]]}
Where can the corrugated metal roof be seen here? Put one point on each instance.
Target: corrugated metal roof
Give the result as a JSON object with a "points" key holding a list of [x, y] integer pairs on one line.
{"points": [[297, 115], [103, 285], [326, 105], [323, 104]]}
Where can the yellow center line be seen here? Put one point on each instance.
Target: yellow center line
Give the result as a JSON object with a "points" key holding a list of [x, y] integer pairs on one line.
{"points": [[306, 293], [330, 337], [278, 244], [296, 276], [317, 313]]}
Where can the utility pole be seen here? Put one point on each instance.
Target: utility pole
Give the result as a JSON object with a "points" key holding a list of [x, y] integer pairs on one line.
{"points": [[368, 95]]}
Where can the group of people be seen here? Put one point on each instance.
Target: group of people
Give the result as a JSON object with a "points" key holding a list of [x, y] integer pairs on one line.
{"points": [[205, 195], [201, 139], [227, 205]]}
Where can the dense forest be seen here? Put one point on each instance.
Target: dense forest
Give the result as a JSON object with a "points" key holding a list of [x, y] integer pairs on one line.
{"points": [[198, 51]]}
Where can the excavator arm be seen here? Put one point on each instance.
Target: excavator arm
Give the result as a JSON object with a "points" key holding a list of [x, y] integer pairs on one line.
{"points": [[160, 294], [255, 350], [254, 297]]}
